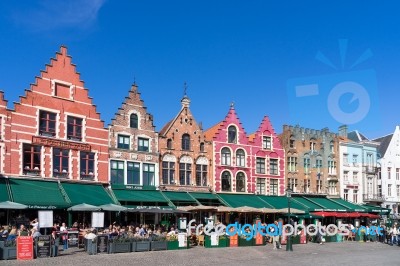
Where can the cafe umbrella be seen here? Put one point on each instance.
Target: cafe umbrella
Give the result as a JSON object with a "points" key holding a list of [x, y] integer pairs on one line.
{"points": [[83, 208], [12, 205], [112, 207]]}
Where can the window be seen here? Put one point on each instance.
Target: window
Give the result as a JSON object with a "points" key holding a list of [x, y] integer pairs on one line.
{"points": [[169, 144], [355, 159], [117, 172], [318, 165], [133, 121], [345, 159], [226, 156], [123, 142], [370, 190], [168, 173], [346, 176], [201, 175], [313, 145], [379, 190], [202, 147], [332, 167], [292, 142], [389, 170], [260, 166], [389, 190], [292, 164], [148, 174], [133, 173], [332, 188], [273, 167], [240, 158], [267, 143], [346, 194], [186, 142], [319, 186], [379, 173], [143, 144], [332, 147], [355, 196], [47, 124], [87, 165], [369, 160], [240, 182], [31, 161], [74, 128], [292, 183], [226, 181], [60, 162], [273, 187], [185, 174], [232, 134], [307, 184], [307, 165], [397, 173], [260, 186], [398, 190]]}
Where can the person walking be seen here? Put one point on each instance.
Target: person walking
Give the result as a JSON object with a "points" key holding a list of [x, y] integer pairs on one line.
{"points": [[276, 241], [393, 233], [64, 235]]}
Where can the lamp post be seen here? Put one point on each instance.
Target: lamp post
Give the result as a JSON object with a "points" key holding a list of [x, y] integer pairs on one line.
{"points": [[289, 246]]}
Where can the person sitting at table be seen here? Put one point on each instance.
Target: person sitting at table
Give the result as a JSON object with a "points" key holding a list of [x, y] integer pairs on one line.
{"points": [[22, 231], [35, 232], [172, 232], [91, 234]]}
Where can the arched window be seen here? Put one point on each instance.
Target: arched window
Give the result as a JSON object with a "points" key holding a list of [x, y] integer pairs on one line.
{"points": [[240, 158], [134, 121], [169, 144], [202, 147], [186, 142], [232, 134], [226, 181], [225, 156], [240, 182]]}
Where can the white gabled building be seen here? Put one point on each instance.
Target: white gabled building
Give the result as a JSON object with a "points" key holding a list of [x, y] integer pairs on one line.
{"points": [[389, 170]]}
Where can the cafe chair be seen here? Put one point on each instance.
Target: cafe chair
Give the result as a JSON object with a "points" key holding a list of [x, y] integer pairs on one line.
{"points": [[200, 240]]}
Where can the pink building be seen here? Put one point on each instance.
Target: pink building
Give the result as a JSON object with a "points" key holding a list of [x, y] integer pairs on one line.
{"points": [[246, 164]]}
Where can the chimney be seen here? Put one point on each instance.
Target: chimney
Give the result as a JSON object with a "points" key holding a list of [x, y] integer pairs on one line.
{"points": [[343, 131]]}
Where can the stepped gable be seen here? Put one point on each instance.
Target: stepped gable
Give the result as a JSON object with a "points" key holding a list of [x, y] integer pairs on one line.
{"points": [[265, 129], [231, 119]]}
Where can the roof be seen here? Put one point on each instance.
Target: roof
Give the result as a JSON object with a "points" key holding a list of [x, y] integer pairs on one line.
{"points": [[384, 144], [252, 136], [166, 127], [210, 133], [356, 136]]}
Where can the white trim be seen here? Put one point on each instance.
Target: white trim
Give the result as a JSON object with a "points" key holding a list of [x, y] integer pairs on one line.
{"points": [[20, 125], [20, 114]]}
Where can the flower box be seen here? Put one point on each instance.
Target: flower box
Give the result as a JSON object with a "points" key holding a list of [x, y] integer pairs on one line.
{"points": [[244, 243], [173, 245], [120, 247], [8, 251], [159, 245], [142, 246]]}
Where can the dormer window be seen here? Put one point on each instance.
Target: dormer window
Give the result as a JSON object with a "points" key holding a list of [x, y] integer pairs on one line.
{"points": [[232, 134]]}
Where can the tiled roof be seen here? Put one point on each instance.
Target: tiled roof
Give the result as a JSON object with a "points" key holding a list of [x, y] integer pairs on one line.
{"points": [[252, 136], [384, 144], [165, 128], [212, 131]]}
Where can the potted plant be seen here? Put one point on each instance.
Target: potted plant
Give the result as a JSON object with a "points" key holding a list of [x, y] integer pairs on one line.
{"points": [[158, 242], [8, 250], [142, 244]]}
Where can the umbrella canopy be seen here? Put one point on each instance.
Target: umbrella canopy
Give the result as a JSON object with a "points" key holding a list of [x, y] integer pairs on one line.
{"points": [[292, 210], [84, 207], [187, 208], [225, 209], [12, 205], [204, 208], [268, 210], [246, 209], [112, 207]]}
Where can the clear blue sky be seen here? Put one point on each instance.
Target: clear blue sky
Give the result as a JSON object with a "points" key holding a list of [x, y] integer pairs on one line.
{"points": [[241, 51]]}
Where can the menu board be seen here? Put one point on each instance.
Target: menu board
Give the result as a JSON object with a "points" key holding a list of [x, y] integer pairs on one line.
{"points": [[102, 244], [45, 219], [25, 248], [182, 239], [98, 219], [214, 239], [73, 237], [43, 246]]}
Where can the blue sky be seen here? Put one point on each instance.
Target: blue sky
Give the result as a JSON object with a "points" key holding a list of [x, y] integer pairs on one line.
{"points": [[252, 53]]}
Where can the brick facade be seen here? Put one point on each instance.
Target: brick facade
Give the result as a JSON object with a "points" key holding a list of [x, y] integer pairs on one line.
{"points": [[185, 155], [55, 130], [139, 158]]}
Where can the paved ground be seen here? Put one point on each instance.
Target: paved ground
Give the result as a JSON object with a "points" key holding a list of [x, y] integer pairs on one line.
{"points": [[347, 253]]}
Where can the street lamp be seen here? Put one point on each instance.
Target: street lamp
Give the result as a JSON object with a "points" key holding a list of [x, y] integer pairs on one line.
{"points": [[289, 246]]}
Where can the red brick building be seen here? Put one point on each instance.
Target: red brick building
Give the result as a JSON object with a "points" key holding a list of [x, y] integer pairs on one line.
{"points": [[133, 144], [54, 130], [185, 155]]}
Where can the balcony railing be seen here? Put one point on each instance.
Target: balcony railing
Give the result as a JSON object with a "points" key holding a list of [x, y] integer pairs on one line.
{"points": [[370, 169], [374, 197]]}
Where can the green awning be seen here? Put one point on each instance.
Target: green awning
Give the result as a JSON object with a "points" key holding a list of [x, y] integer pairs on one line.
{"points": [[377, 209], [308, 205], [328, 204], [38, 194], [93, 194], [203, 196], [178, 196], [349, 205], [279, 202], [124, 195], [3, 190], [241, 200]]}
